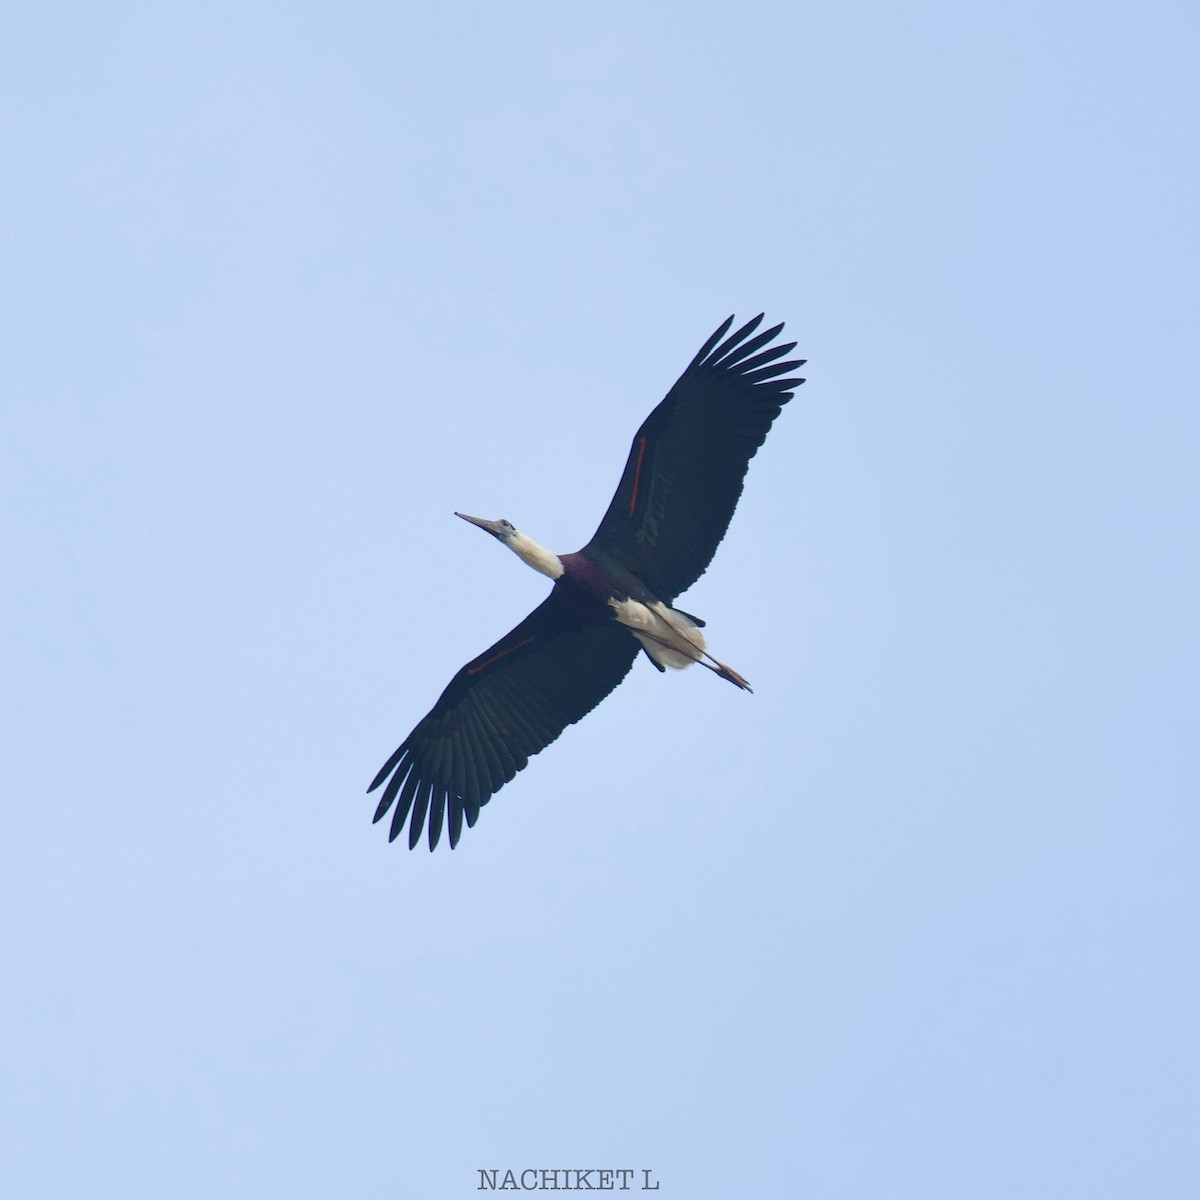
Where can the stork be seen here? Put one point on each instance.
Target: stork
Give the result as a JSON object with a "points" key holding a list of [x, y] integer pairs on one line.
{"points": [[616, 596]]}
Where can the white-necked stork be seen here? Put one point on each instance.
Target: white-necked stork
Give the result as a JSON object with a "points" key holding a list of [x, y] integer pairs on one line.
{"points": [[676, 497]]}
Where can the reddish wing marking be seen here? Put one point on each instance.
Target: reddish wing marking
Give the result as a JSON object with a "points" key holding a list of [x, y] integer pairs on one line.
{"points": [[637, 474], [497, 657]]}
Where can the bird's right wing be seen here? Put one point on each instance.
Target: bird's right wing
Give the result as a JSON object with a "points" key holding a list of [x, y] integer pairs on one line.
{"points": [[507, 704]]}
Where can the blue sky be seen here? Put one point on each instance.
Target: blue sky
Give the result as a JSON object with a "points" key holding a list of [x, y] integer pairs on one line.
{"points": [[287, 285]]}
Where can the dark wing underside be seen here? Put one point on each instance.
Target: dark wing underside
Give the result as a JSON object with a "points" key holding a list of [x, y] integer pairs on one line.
{"points": [[685, 470], [507, 704]]}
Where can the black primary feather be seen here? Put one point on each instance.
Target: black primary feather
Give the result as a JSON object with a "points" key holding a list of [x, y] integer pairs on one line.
{"points": [[686, 467], [503, 707]]}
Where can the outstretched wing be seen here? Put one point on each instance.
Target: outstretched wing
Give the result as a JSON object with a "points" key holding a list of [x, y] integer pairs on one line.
{"points": [[685, 470], [507, 704]]}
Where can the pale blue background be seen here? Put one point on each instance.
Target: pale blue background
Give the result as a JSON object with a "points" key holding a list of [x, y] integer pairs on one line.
{"points": [[285, 285]]}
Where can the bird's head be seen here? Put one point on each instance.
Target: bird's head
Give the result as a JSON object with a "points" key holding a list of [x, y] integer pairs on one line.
{"points": [[525, 548], [502, 530]]}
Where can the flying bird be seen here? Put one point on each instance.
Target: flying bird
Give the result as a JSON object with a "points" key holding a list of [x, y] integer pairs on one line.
{"points": [[681, 483]]}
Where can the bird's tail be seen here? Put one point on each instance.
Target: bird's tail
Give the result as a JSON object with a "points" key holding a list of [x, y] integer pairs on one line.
{"points": [[699, 652]]}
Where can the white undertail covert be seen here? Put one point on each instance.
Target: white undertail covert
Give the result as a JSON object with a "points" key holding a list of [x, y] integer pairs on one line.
{"points": [[671, 638]]}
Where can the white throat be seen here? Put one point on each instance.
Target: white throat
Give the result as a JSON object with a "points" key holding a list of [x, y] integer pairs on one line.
{"points": [[538, 557]]}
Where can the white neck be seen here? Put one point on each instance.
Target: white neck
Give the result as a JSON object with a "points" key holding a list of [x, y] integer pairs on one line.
{"points": [[538, 557]]}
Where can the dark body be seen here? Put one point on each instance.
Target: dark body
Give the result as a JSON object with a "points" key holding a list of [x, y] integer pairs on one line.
{"points": [[681, 483], [589, 583]]}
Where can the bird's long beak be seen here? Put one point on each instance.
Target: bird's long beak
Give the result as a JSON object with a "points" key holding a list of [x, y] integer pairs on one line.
{"points": [[493, 527]]}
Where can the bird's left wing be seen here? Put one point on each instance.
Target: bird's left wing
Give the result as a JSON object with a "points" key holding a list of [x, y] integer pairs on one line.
{"points": [[507, 704], [684, 473]]}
